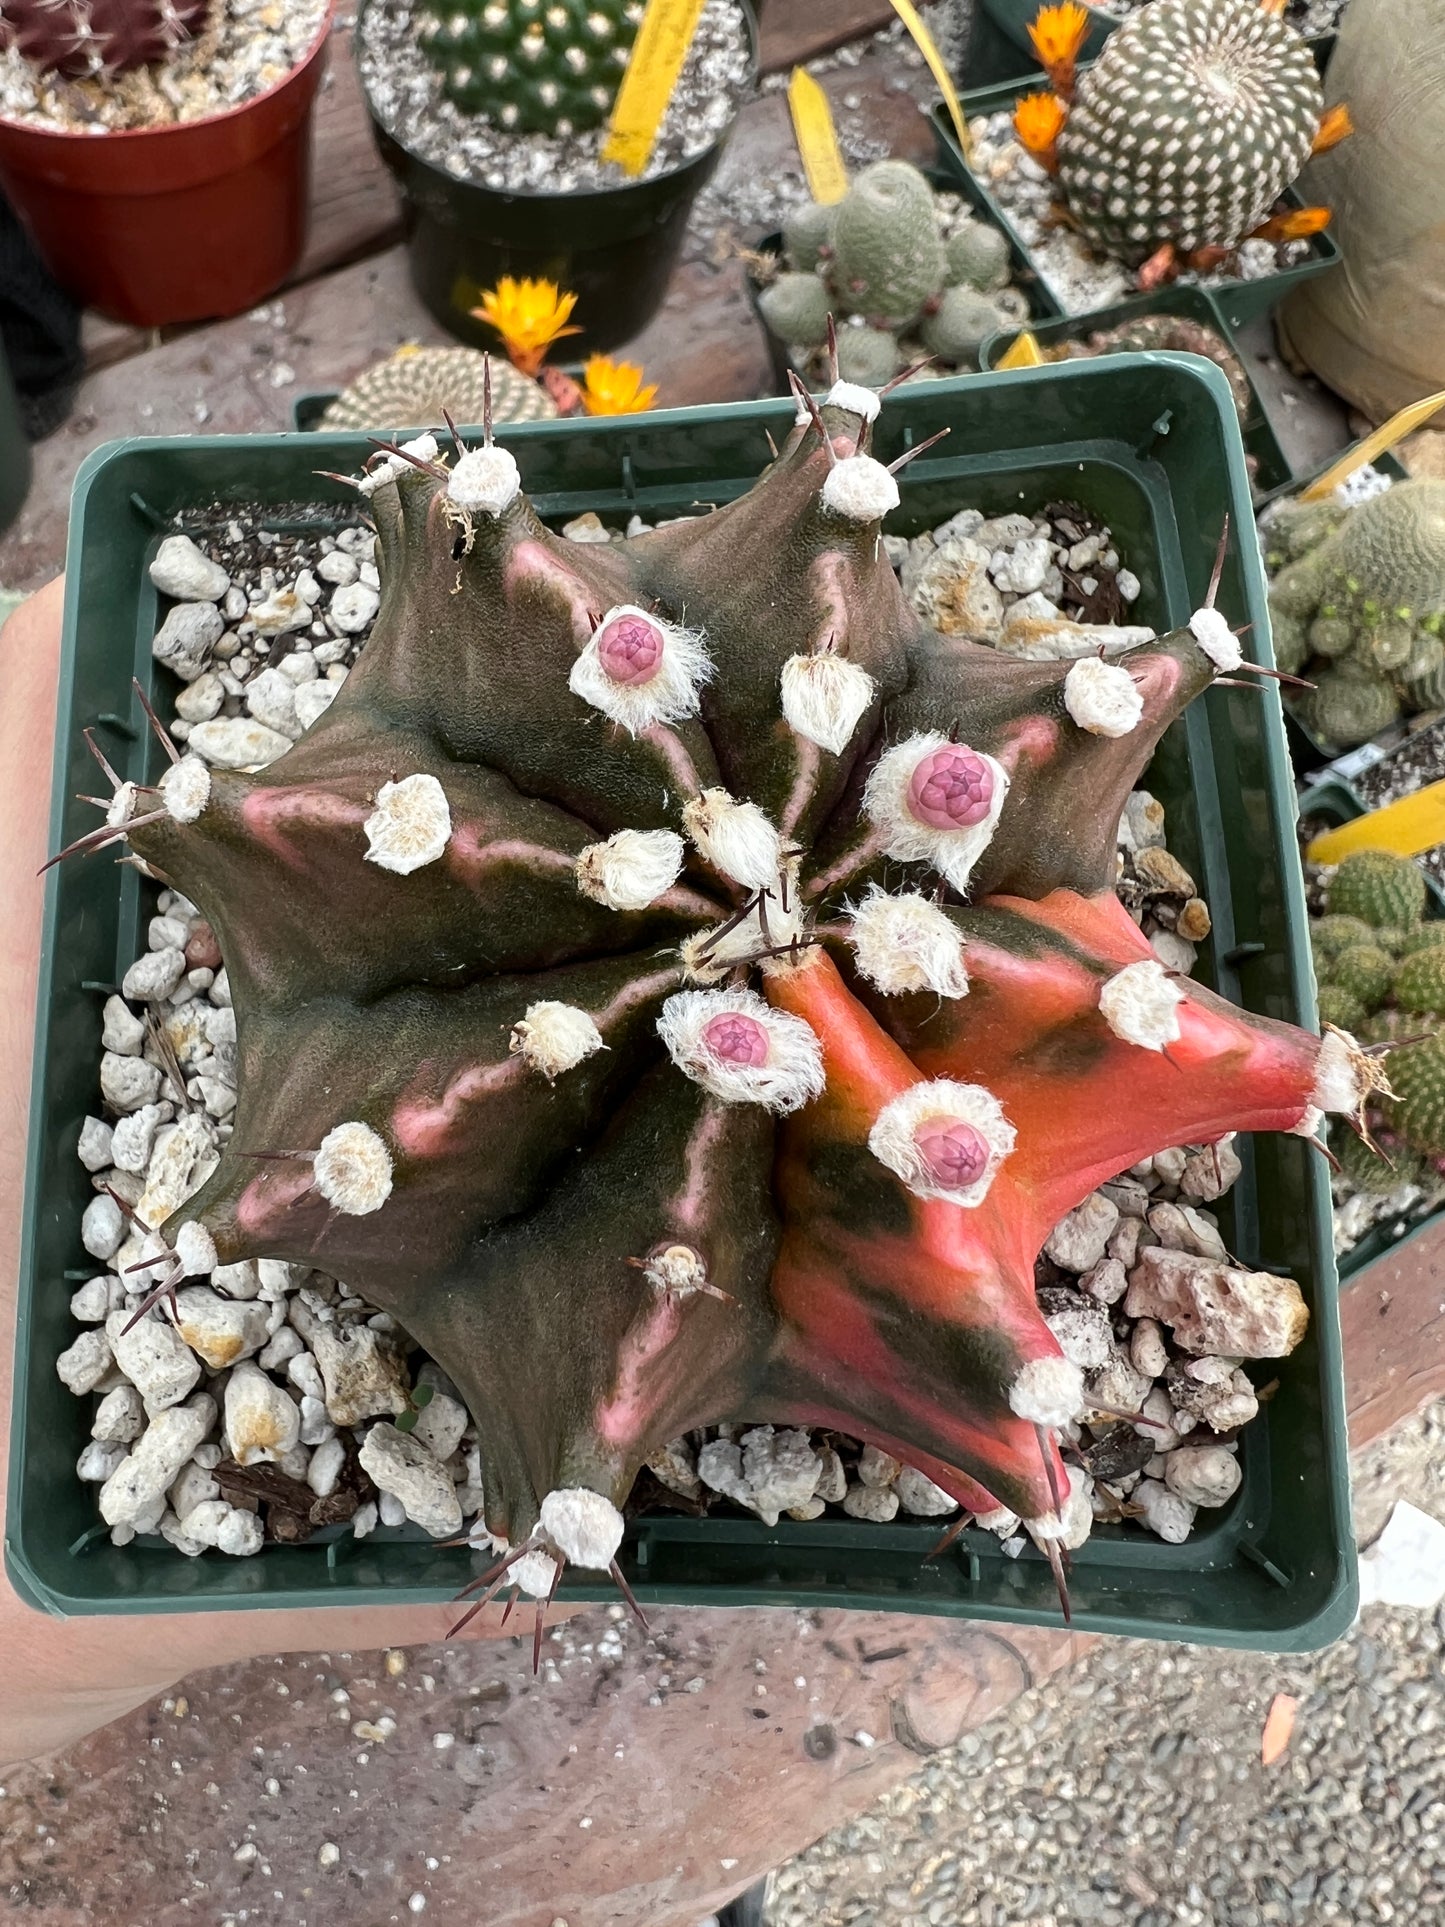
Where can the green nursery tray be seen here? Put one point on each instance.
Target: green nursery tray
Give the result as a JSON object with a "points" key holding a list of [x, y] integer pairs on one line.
{"points": [[1239, 301], [1335, 801], [1151, 444], [1272, 471]]}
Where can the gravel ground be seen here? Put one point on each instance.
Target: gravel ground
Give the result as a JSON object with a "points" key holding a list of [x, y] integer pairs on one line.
{"points": [[1128, 1792]]}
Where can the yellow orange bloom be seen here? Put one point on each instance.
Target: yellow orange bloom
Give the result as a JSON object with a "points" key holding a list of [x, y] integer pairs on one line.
{"points": [[1038, 122], [1297, 225], [1335, 125], [615, 387], [529, 316], [1057, 35]]}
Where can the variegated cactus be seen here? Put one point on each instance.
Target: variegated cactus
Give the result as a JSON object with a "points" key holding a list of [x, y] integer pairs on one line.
{"points": [[89, 37], [682, 988]]}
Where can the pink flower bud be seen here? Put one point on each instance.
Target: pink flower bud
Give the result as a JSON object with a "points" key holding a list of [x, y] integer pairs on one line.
{"points": [[630, 647], [735, 1038], [955, 1153], [951, 788]]}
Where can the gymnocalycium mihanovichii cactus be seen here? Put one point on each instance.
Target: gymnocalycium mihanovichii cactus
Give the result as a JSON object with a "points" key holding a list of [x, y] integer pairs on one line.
{"points": [[80, 37], [682, 988], [531, 66], [1175, 145]]}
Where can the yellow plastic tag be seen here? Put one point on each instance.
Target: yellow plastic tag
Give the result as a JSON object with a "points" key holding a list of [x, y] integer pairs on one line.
{"points": [[652, 70], [1407, 827], [817, 138], [927, 46], [1385, 436], [1022, 352]]}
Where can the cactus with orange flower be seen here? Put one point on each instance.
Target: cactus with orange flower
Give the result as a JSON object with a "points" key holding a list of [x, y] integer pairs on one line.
{"points": [[681, 988]]}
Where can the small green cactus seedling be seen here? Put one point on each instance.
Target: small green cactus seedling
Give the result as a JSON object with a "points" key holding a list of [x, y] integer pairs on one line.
{"points": [[417, 385], [1378, 888], [1331, 934], [1417, 1076], [531, 66], [888, 256], [1365, 971], [978, 257], [867, 356], [1340, 1008], [796, 307], [1420, 981], [1362, 590]]}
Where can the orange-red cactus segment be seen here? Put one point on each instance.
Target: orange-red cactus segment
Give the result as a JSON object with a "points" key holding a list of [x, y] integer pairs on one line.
{"points": [[1335, 126], [898, 1308], [1030, 1029]]}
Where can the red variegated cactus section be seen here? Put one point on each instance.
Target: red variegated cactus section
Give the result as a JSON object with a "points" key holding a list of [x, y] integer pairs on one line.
{"points": [[81, 37], [682, 989]]}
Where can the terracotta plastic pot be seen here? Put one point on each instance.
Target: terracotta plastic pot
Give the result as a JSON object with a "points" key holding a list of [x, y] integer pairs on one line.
{"points": [[613, 247], [169, 224]]}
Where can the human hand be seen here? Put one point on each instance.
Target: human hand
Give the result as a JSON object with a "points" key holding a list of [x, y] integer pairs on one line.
{"points": [[64, 1677]]}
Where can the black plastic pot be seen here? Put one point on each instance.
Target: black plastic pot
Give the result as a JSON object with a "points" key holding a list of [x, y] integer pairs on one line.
{"points": [[614, 248]]}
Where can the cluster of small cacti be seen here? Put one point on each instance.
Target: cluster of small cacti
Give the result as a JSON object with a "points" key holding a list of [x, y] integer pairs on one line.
{"points": [[680, 988], [98, 37], [1357, 604], [1176, 144], [1381, 970], [896, 274], [531, 66]]}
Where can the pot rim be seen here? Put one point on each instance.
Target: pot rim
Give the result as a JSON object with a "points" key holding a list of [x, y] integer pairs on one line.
{"points": [[750, 21], [108, 134]]}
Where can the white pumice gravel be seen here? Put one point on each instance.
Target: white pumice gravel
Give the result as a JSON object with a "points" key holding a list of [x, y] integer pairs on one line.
{"points": [[291, 1371]]}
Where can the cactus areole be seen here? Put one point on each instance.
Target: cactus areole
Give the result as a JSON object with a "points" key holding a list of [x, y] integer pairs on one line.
{"points": [[666, 1034]]}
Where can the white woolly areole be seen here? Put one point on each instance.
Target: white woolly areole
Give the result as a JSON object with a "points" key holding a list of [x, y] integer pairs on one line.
{"points": [[1102, 697], [885, 801], [710, 955], [1140, 1004], [122, 806], [186, 789], [1216, 639], [196, 1250], [855, 398], [906, 942], [735, 837], [485, 481], [668, 695], [1001, 1520], [1341, 1074], [534, 1573], [631, 869], [410, 824], [860, 489], [1047, 1391], [352, 1170], [678, 1269], [894, 1137], [391, 468], [584, 1527], [824, 696], [787, 1067], [555, 1037]]}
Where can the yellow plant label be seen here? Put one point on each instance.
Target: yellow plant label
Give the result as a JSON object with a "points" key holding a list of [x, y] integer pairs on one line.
{"points": [[1022, 352], [938, 67], [1406, 827], [817, 138], [656, 61], [1385, 436]]}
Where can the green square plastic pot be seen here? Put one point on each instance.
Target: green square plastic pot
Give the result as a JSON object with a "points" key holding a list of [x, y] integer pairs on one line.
{"points": [[1335, 801], [1239, 301], [1272, 471], [1149, 444]]}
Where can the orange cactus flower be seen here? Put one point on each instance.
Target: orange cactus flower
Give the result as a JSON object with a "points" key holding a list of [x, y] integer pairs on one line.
{"points": [[615, 387], [1057, 35], [529, 316], [1335, 125], [1038, 122], [1297, 225]]}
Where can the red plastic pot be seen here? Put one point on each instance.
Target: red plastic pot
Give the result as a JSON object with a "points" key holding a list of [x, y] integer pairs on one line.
{"points": [[169, 224]]}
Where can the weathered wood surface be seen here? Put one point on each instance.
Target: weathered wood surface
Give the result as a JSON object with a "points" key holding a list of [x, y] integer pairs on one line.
{"points": [[1393, 1317]]}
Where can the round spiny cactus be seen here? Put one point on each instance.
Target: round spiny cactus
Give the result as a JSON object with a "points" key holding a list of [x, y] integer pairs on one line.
{"points": [[1189, 126], [1379, 888], [531, 66], [420, 387], [93, 37], [681, 988]]}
